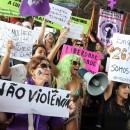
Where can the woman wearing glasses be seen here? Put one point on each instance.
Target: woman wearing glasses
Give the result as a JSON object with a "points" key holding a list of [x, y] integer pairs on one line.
{"points": [[66, 73], [17, 73], [79, 44], [38, 74]]}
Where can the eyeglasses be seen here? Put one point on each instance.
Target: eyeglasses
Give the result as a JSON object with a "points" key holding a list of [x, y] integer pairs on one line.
{"points": [[45, 66], [81, 45], [76, 63]]}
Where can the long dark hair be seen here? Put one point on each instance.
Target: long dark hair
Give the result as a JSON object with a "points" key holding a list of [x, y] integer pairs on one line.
{"points": [[125, 107]]}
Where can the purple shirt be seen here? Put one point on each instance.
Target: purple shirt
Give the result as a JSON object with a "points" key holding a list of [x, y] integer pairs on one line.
{"points": [[20, 122]]}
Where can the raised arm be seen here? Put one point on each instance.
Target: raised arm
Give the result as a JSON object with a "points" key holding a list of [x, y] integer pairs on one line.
{"points": [[5, 63], [61, 39], [108, 91], [41, 35]]}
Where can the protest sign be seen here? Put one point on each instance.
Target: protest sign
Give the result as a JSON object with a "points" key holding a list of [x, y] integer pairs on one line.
{"points": [[81, 21], [34, 7], [109, 23], [90, 58], [11, 8], [22, 38], [75, 31], [119, 68], [47, 30], [107, 64], [24, 98], [58, 14]]}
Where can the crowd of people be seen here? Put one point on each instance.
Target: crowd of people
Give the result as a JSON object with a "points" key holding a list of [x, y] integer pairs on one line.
{"points": [[46, 69]]}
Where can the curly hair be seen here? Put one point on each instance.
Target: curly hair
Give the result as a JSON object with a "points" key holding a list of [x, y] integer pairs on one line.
{"points": [[65, 65]]}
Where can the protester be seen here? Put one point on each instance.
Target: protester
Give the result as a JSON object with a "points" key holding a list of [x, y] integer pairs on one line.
{"points": [[27, 24], [116, 106], [38, 74], [17, 73], [79, 44], [49, 39], [67, 78]]}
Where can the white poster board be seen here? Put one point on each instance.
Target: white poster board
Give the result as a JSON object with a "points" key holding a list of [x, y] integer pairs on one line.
{"points": [[24, 98], [75, 30], [119, 69], [58, 14], [47, 30], [23, 39]]}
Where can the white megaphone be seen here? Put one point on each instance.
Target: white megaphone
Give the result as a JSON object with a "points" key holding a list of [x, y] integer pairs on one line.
{"points": [[96, 83]]}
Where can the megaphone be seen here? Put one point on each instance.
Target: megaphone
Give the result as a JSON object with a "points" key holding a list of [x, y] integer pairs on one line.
{"points": [[96, 83]]}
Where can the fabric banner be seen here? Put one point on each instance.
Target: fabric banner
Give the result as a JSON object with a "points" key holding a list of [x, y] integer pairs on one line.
{"points": [[119, 67], [109, 23], [34, 7], [27, 99], [10, 4]]}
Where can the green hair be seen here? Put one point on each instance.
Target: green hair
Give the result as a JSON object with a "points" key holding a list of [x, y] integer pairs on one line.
{"points": [[65, 65]]}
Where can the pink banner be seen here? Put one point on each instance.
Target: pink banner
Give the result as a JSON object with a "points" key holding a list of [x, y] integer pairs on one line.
{"points": [[90, 58]]}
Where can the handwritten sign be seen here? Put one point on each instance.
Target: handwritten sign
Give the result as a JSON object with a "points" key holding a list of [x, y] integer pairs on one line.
{"points": [[75, 31], [81, 21], [90, 58], [58, 14], [47, 30], [119, 69], [11, 8], [23, 39], [24, 98]]}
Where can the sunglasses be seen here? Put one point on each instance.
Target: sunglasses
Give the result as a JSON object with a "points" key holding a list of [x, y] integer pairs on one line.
{"points": [[45, 66], [81, 45], [76, 63]]}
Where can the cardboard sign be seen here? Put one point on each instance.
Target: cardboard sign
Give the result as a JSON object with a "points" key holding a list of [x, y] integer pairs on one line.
{"points": [[24, 98], [23, 40], [119, 69], [58, 14], [90, 58]]}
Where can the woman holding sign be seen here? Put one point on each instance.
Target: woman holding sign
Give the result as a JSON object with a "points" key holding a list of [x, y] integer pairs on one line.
{"points": [[116, 106], [17, 73], [38, 73]]}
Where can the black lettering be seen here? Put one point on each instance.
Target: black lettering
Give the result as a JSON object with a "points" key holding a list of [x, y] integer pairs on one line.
{"points": [[2, 89], [48, 97], [31, 97], [22, 92], [45, 98], [58, 100], [40, 90], [9, 2], [11, 89], [52, 99]]}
